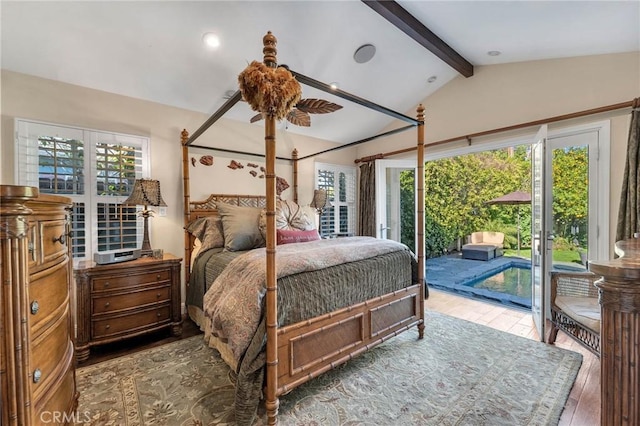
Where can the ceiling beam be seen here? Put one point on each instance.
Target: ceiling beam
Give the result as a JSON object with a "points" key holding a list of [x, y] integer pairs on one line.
{"points": [[407, 23]]}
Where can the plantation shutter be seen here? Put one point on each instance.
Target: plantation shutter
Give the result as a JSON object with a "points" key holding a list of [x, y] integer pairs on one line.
{"points": [[96, 170], [340, 184]]}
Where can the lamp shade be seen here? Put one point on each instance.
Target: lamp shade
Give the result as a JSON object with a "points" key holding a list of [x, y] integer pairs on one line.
{"points": [[320, 200], [146, 192]]}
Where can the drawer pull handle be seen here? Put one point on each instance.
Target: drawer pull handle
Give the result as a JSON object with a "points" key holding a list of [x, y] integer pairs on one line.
{"points": [[62, 239], [158, 295], [158, 314], [106, 327], [158, 277], [106, 305], [106, 284], [37, 375], [35, 307], [32, 251]]}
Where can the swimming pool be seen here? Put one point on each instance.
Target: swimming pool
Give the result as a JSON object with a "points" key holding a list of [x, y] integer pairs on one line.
{"points": [[510, 285], [505, 280]]}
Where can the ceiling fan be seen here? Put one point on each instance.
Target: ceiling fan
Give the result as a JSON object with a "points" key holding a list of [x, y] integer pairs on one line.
{"points": [[299, 115]]}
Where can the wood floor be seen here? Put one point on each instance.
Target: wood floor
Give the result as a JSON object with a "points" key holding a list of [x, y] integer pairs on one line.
{"points": [[583, 405]]}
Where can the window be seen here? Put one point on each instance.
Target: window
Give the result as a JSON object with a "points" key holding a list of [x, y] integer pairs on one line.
{"points": [[340, 184], [95, 169]]}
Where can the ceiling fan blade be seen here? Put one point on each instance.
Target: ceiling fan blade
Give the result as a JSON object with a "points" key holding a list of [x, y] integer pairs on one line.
{"points": [[317, 106], [299, 118], [255, 118]]}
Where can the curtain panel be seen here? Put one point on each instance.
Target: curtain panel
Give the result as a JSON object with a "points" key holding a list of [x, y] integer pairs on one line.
{"points": [[629, 212], [367, 200]]}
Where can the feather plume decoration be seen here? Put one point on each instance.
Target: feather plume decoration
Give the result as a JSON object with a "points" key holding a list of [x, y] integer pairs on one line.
{"points": [[270, 91]]}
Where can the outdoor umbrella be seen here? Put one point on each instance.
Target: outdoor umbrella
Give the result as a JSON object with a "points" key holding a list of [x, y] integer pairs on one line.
{"points": [[515, 198]]}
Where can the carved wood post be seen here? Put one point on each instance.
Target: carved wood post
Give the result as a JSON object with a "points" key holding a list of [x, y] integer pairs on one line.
{"points": [[420, 212], [271, 402], [14, 302], [620, 335], [294, 160], [184, 137]]}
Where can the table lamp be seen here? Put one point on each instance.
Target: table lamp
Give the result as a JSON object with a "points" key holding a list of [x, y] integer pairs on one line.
{"points": [[146, 192], [320, 200]]}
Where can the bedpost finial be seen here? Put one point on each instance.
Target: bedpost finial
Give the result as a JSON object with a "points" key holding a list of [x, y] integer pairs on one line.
{"points": [[420, 111], [269, 50], [184, 136]]}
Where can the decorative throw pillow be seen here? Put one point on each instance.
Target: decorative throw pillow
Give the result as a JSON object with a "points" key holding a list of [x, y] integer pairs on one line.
{"points": [[287, 236], [208, 230], [289, 215], [240, 226]]}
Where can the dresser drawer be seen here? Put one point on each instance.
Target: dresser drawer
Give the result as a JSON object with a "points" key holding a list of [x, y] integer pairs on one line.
{"points": [[48, 292], [53, 239], [61, 401], [129, 280], [114, 303], [126, 324], [48, 353]]}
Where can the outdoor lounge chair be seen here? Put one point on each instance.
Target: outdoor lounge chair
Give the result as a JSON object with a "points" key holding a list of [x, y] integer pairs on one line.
{"points": [[483, 246], [575, 308]]}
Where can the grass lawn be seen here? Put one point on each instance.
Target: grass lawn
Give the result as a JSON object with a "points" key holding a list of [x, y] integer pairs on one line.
{"points": [[569, 256]]}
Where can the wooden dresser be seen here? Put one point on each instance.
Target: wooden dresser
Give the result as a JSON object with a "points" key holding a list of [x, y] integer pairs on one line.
{"points": [[36, 351], [126, 299]]}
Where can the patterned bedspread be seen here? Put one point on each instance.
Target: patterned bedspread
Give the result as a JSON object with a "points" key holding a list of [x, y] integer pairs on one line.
{"points": [[313, 278]]}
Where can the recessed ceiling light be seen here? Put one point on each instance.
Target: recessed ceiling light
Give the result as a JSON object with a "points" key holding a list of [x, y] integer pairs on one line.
{"points": [[334, 85], [494, 53], [432, 79], [211, 40], [364, 53]]}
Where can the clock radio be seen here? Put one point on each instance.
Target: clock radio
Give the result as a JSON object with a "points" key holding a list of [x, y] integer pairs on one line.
{"points": [[114, 256]]}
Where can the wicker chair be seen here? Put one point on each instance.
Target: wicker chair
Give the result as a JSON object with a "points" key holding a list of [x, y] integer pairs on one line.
{"points": [[575, 308]]}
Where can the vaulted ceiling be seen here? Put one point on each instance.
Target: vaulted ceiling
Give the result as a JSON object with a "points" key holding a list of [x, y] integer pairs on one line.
{"points": [[153, 50]]}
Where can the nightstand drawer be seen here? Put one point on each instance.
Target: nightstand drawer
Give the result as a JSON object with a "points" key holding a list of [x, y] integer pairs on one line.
{"points": [[129, 280], [131, 300], [127, 324]]}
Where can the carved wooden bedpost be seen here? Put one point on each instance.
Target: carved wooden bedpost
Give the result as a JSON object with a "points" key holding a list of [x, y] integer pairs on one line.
{"points": [[294, 160], [420, 213], [184, 137], [272, 402], [273, 92]]}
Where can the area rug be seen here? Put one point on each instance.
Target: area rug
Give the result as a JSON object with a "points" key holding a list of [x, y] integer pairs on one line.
{"points": [[461, 373]]}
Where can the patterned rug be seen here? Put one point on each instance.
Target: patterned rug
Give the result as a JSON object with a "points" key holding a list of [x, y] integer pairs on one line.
{"points": [[460, 374]]}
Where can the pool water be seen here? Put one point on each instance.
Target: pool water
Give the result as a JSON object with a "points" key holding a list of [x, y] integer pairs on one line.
{"points": [[510, 286], [513, 280]]}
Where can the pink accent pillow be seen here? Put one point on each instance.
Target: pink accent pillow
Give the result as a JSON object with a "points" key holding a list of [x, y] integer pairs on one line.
{"points": [[287, 236]]}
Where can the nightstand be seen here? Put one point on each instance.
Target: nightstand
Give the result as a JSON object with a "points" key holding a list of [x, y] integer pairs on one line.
{"points": [[127, 299]]}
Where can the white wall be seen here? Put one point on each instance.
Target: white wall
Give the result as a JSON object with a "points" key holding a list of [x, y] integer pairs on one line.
{"points": [[503, 95]]}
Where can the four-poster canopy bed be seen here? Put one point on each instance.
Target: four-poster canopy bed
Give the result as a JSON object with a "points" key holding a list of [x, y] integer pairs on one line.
{"points": [[362, 291]]}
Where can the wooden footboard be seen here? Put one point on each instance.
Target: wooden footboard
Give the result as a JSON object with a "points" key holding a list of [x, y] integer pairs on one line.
{"points": [[309, 348]]}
